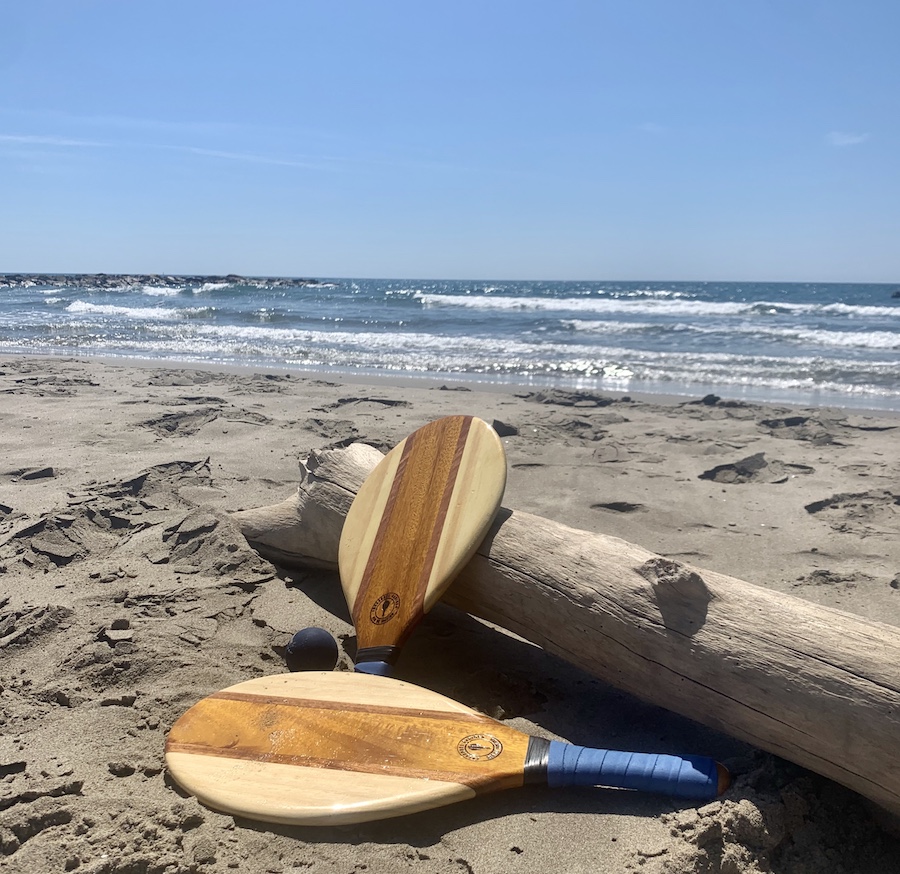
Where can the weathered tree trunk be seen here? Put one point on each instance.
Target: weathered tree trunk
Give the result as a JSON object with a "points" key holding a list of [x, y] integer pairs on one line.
{"points": [[814, 685]]}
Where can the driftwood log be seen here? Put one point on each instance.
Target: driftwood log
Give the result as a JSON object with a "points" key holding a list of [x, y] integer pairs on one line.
{"points": [[814, 685]]}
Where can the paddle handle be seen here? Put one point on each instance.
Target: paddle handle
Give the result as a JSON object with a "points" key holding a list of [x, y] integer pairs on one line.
{"points": [[695, 777], [377, 660], [380, 669]]}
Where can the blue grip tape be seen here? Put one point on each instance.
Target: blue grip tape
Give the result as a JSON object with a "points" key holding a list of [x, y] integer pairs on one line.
{"points": [[382, 669], [690, 777]]}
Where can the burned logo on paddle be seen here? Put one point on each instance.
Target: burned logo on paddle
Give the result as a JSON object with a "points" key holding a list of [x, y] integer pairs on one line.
{"points": [[479, 747], [385, 608]]}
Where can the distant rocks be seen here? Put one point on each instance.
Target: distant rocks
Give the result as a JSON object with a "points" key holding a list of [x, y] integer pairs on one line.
{"points": [[132, 280]]}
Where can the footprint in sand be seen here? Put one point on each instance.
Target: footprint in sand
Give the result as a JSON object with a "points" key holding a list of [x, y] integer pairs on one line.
{"points": [[755, 468], [187, 423], [833, 578], [570, 398], [873, 512], [367, 404]]}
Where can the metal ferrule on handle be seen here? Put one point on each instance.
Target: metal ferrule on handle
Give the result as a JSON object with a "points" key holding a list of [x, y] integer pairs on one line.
{"points": [[697, 777], [376, 660], [381, 669]]}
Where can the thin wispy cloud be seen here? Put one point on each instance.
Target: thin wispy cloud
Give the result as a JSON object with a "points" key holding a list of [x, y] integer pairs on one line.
{"points": [[127, 133], [249, 158], [111, 124], [318, 162], [28, 146], [841, 139], [69, 142], [34, 140]]}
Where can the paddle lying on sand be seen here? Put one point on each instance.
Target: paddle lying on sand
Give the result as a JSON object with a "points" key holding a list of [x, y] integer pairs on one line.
{"points": [[415, 522], [322, 748]]}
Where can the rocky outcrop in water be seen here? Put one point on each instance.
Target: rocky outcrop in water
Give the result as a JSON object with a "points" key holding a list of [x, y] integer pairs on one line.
{"points": [[131, 280]]}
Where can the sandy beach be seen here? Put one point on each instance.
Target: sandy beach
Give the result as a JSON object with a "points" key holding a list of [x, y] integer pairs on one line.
{"points": [[127, 594]]}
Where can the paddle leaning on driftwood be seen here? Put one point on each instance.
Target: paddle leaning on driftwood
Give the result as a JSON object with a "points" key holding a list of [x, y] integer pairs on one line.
{"points": [[413, 526], [814, 685]]}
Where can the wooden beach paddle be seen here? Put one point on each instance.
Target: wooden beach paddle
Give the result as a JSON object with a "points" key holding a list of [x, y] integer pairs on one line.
{"points": [[323, 748], [415, 522]]}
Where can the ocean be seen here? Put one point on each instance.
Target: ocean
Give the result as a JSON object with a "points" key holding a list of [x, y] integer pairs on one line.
{"points": [[801, 343]]}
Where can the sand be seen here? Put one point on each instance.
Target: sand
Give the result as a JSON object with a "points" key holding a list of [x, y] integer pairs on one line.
{"points": [[127, 593]]}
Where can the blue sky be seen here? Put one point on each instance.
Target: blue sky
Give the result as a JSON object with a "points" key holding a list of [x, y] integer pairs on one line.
{"points": [[637, 139]]}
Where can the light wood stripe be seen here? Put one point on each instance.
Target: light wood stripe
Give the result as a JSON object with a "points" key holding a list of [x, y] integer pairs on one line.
{"points": [[327, 687], [358, 534], [306, 796], [347, 706], [477, 491]]}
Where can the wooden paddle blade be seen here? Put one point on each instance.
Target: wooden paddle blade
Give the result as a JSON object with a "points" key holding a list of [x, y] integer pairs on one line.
{"points": [[415, 522], [327, 748]]}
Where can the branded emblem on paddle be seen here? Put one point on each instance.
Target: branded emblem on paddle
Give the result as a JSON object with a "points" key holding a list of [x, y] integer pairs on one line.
{"points": [[480, 746], [385, 608], [322, 748], [414, 524]]}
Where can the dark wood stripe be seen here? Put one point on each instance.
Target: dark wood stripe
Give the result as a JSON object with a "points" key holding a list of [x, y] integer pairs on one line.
{"points": [[384, 524], [350, 707], [410, 528], [477, 782], [449, 484]]}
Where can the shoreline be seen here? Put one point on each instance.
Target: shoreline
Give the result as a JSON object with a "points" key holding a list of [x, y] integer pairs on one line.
{"points": [[129, 595], [680, 394]]}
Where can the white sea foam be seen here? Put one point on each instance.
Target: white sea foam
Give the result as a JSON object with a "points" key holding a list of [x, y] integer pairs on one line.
{"points": [[355, 340], [158, 291], [80, 307], [431, 352], [470, 355], [834, 339], [584, 305], [592, 326], [850, 339], [651, 306], [854, 310], [658, 293], [492, 358]]}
